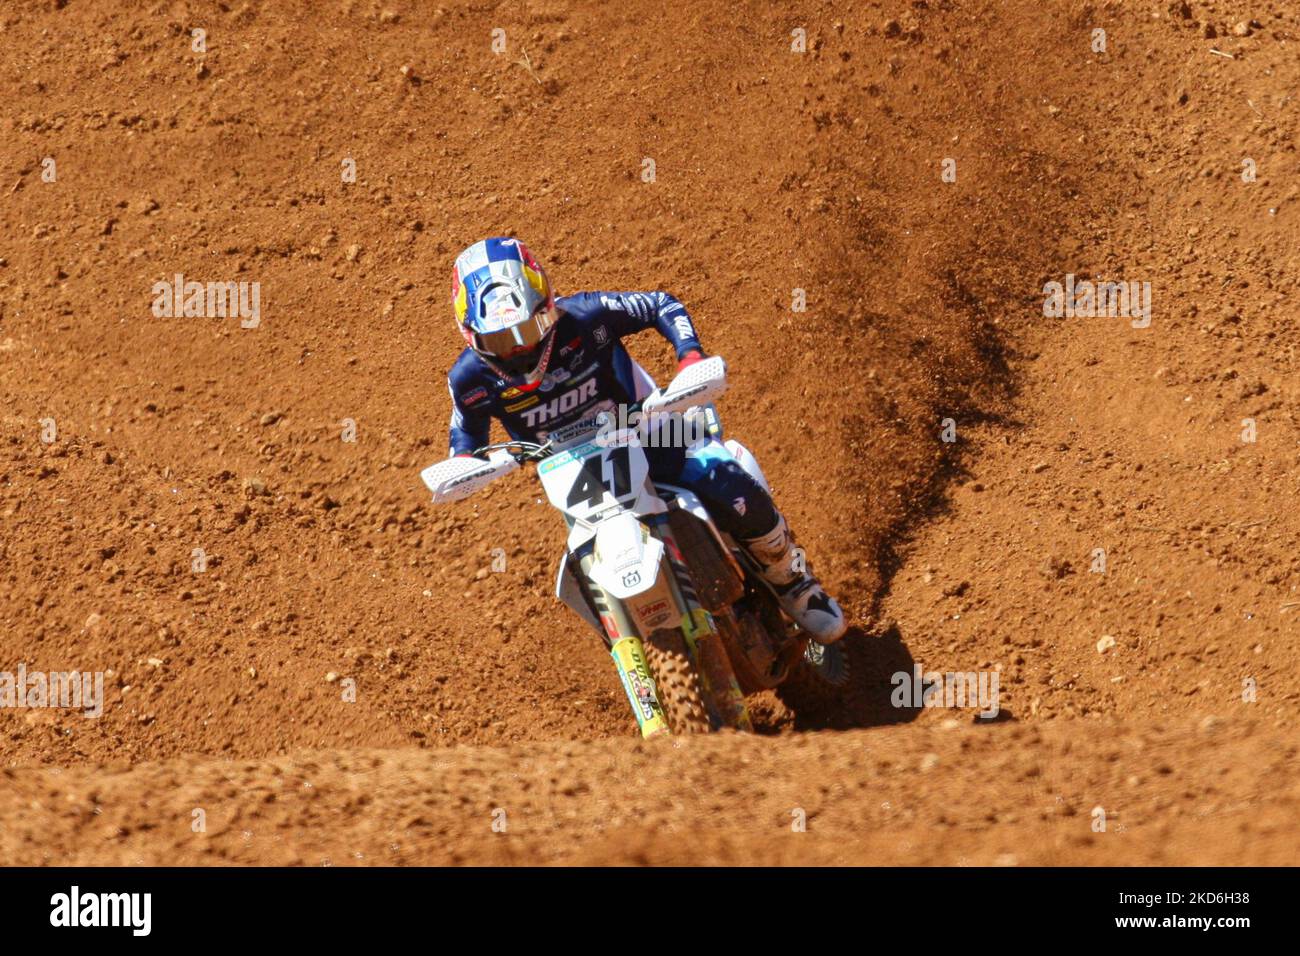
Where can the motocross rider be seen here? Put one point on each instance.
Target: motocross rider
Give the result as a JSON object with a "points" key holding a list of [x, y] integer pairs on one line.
{"points": [[537, 363]]}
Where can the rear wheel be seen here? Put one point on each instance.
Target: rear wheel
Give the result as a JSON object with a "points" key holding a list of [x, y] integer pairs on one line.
{"points": [[826, 687], [825, 666], [677, 683]]}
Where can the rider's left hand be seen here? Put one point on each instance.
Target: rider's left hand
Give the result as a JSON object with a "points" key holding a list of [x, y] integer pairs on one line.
{"points": [[690, 358]]}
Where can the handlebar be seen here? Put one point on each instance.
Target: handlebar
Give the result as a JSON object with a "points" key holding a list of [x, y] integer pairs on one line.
{"points": [[520, 451]]}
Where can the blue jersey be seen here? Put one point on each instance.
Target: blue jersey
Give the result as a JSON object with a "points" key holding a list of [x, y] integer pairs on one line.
{"points": [[589, 370]]}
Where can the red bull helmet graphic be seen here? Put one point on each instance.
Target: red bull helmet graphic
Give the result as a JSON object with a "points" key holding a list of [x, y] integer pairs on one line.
{"points": [[504, 307]]}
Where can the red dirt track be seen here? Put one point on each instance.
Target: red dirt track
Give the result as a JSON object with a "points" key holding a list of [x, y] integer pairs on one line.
{"points": [[477, 697]]}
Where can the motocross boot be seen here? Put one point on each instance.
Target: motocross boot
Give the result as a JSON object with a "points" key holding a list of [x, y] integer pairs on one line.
{"points": [[801, 596]]}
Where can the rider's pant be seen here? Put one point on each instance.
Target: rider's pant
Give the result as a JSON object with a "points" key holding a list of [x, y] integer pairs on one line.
{"points": [[738, 503]]}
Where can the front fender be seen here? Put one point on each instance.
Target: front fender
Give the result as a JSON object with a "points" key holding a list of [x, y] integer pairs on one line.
{"points": [[626, 558]]}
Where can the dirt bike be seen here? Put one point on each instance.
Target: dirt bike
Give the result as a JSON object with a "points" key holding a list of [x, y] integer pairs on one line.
{"points": [[690, 623]]}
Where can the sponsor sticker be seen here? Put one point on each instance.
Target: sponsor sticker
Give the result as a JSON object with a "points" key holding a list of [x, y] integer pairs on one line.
{"points": [[573, 454], [528, 402], [654, 613]]}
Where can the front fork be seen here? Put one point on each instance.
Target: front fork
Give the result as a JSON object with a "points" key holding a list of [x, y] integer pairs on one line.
{"points": [[722, 695], [628, 652]]}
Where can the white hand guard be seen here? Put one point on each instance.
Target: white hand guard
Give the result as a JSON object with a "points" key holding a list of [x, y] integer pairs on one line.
{"points": [[694, 385], [457, 478]]}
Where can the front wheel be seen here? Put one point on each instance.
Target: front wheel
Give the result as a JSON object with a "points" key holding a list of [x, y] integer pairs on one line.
{"points": [[677, 683]]}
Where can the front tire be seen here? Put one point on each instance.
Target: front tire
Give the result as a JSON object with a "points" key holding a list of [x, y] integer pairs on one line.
{"points": [[677, 683]]}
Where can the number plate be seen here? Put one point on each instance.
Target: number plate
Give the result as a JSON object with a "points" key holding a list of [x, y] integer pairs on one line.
{"points": [[589, 479]]}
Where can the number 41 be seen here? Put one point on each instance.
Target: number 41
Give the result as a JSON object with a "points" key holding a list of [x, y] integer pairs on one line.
{"points": [[610, 472]]}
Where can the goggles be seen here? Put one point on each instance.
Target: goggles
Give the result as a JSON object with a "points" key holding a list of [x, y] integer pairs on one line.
{"points": [[523, 336]]}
